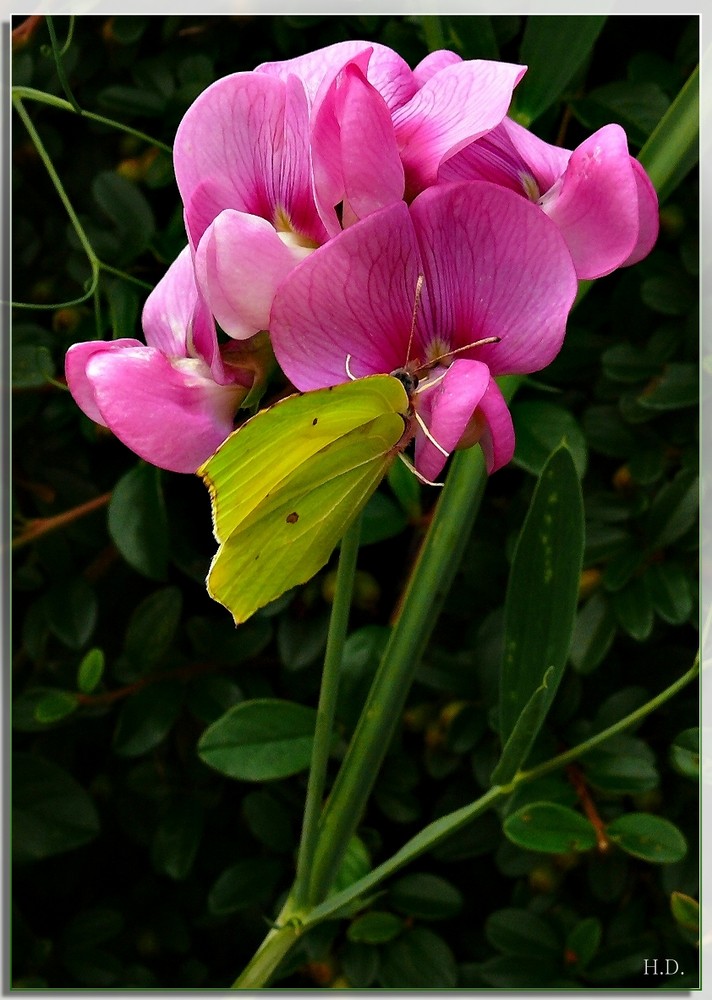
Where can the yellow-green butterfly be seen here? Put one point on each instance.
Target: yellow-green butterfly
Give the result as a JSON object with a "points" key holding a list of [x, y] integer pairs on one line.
{"points": [[287, 484]]}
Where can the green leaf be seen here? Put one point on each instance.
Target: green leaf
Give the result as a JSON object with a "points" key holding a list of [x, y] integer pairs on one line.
{"points": [[594, 631], [553, 48], [92, 927], [153, 625], [685, 753], [245, 884], [678, 387], [583, 941], [51, 812], [527, 726], [71, 611], [55, 705], [32, 366], [670, 592], [301, 639], [541, 427], [260, 740], [633, 609], [147, 717], [519, 932], [649, 837], [542, 592], [375, 927], [90, 671], [674, 510], [416, 960], [622, 765], [124, 304], [382, 518], [425, 896], [269, 821], [128, 210], [686, 912], [360, 962], [671, 295], [177, 839], [137, 521], [355, 863], [638, 107], [550, 828], [673, 148]]}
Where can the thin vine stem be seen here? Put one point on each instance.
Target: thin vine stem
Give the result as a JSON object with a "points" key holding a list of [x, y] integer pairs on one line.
{"points": [[59, 63], [338, 627]]}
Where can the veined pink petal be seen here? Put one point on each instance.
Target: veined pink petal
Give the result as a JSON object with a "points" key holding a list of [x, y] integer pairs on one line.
{"points": [[168, 311], [497, 438], [353, 296], [239, 263], [447, 409], [388, 72], [494, 266], [648, 215], [433, 63], [595, 205], [356, 158], [243, 144], [455, 106], [172, 415], [544, 161], [75, 370]]}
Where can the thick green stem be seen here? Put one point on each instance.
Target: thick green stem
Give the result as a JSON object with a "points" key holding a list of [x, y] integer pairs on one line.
{"points": [[326, 708], [429, 583], [261, 967]]}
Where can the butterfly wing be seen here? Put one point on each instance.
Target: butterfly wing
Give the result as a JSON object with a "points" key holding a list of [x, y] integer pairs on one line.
{"points": [[287, 484]]}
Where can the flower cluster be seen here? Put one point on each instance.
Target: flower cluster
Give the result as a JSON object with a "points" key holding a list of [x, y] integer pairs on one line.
{"points": [[371, 218]]}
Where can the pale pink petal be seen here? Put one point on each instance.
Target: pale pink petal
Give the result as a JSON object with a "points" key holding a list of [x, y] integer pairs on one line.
{"points": [[544, 161], [168, 311], [239, 263], [356, 156], [648, 216], [454, 107], [433, 63], [497, 437], [494, 266], [353, 296], [75, 370], [388, 72], [595, 204], [172, 415]]}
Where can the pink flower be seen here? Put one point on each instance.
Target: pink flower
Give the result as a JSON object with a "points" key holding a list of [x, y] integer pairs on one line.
{"points": [[173, 399], [498, 283], [243, 168], [380, 131], [598, 195]]}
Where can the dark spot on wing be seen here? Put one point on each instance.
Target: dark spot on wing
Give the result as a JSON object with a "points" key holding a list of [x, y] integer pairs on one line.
{"points": [[293, 517], [315, 421]]}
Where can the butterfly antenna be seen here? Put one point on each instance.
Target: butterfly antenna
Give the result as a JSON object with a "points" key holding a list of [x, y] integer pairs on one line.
{"points": [[416, 303], [348, 368], [457, 350], [418, 475], [429, 436]]}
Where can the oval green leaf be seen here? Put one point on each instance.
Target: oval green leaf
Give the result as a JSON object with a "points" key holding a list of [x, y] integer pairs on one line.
{"points": [[550, 828], [260, 740], [649, 837]]}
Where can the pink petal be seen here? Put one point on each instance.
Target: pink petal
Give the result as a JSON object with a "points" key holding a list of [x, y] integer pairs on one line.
{"points": [[75, 370], [353, 296], [239, 263], [648, 216], [173, 416], [494, 266], [388, 72], [596, 203], [545, 162], [433, 63], [497, 438], [243, 144], [454, 107], [168, 311], [356, 156], [447, 410]]}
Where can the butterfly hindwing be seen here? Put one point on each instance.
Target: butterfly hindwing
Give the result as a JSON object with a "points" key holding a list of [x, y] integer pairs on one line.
{"points": [[288, 483]]}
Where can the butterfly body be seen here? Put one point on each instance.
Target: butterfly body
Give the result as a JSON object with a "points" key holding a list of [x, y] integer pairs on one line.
{"points": [[288, 483]]}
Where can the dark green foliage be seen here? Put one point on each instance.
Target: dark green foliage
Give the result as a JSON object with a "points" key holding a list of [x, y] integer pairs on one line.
{"points": [[147, 855]]}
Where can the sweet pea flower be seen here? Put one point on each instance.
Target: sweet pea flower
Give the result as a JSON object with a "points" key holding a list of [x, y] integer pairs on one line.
{"points": [[380, 131], [171, 400], [598, 194], [243, 169], [496, 283]]}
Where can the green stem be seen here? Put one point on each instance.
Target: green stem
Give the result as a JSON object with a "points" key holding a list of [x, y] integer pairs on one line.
{"points": [[429, 583], [57, 53], [326, 708], [443, 827], [32, 94], [273, 949], [125, 276], [672, 149]]}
